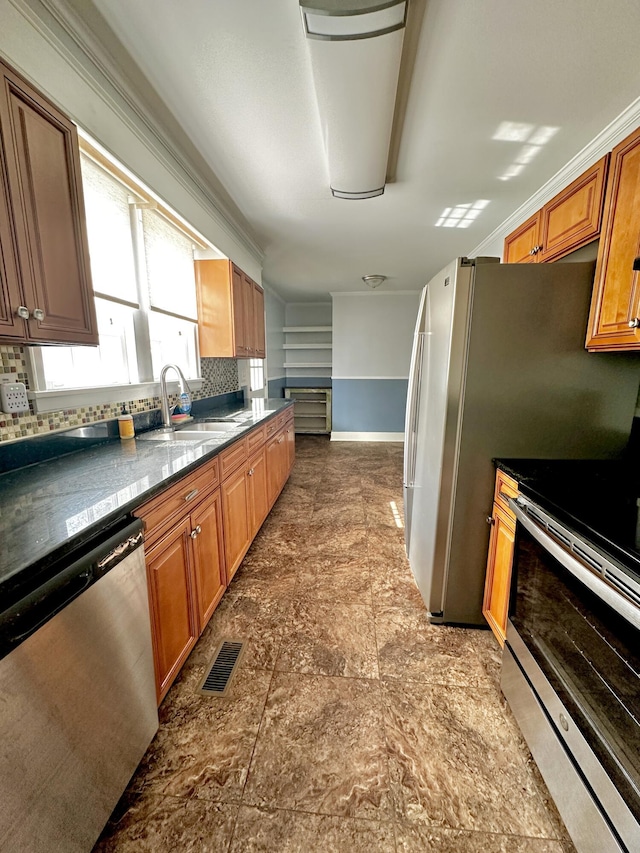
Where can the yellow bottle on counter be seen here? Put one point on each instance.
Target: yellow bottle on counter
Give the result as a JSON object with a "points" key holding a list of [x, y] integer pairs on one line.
{"points": [[125, 426]]}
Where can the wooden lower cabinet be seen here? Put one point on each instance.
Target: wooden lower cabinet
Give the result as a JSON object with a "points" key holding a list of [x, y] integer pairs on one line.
{"points": [[236, 521], [171, 591], [209, 559], [198, 531], [497, 588], [258, 490]]}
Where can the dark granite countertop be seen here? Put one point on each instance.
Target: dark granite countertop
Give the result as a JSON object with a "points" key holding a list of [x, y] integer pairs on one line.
{"points": [[51, 508], [597, 498]]}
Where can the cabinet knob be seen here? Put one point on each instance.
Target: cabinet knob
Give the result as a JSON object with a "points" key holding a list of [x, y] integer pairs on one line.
{"points": [[196, 531], [38, 314], [22, 312], [250, 472], [490, 519], [635, 323]]}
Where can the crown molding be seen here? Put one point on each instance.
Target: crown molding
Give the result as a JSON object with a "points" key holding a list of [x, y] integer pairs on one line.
{"points": [[87, 56], [605, 141]]}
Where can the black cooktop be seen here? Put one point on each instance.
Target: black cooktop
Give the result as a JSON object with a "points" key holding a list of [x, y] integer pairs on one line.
{"points": [[598, 499]]}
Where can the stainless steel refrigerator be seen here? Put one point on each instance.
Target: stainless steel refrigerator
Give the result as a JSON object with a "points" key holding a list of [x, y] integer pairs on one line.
{"points": [[498, 369]]}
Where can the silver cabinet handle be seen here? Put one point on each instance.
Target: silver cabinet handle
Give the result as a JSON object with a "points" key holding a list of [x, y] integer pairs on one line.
{"points": [[250, 472], [22, 312], [191, 495], [196, 531], [38, 314], [490, 519], [633, 324]]}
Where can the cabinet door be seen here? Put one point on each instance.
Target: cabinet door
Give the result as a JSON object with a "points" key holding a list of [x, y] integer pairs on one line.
{"points": [[11, 326], [239, 311], [573, 218], [615, 306], [498, 577], [258, 490], [45, 186], [290, 441], [521, 245], [208, 552], [274, 468], [174, 625], [258, 321], [235, 515]]}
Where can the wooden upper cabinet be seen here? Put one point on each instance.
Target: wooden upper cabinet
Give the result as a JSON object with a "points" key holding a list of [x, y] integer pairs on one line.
{"points": [[570, 220], [520, 245], [573, 218], [614, 321], [230, 311], [45, 215]]}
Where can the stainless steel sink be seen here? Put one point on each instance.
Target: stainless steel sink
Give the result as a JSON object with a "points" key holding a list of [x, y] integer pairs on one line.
{"points": [[196, 432]]}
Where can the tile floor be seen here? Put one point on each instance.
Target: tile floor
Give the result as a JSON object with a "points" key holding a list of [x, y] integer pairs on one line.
{"points": [[352, 724]]}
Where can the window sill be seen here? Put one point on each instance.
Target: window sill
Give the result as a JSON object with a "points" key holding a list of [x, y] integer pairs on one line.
{"points": [[74, 398]]}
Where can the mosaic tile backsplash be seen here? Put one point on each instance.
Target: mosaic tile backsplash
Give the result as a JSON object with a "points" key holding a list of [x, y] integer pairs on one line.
{"points": [[219, 375]]}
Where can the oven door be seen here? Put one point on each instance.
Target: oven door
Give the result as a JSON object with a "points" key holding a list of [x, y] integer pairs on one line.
{"points": [[571, 675]]}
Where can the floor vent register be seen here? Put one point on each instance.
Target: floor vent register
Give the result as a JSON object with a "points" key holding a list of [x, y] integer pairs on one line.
{"points": [[219, 675]]}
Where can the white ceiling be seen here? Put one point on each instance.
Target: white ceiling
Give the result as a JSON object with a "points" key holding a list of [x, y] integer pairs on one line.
{"points": [[236, 75]]}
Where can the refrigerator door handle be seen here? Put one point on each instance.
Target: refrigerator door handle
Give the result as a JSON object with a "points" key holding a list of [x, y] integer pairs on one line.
{"points": [[415, 382]]}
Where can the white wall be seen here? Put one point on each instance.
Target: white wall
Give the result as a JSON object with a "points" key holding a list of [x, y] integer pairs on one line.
{"points": [[373, 333], [275, 320], [372, 339]]}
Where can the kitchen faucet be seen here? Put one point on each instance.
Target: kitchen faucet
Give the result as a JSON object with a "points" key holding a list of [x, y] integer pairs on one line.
{"points": [[164, 395]]}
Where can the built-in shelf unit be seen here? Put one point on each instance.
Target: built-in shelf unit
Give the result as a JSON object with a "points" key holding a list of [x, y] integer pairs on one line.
{"points": [[311, 409], [307, 343]]}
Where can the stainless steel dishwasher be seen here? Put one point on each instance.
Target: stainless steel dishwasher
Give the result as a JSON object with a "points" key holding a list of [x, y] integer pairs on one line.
{"points": [[77, 695]]}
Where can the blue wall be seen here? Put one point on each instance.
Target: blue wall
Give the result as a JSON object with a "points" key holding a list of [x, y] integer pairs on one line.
{"points": [[369, 405], [275, 387]]}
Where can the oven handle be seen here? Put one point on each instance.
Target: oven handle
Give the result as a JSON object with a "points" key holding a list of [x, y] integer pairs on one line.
{"points": [[591, 580]]}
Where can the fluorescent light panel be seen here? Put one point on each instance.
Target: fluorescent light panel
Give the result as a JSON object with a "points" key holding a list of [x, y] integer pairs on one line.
{"points": [[355, 61]]}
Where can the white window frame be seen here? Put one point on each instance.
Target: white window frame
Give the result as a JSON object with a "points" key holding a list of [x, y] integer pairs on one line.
{"points": [[147, 387]]}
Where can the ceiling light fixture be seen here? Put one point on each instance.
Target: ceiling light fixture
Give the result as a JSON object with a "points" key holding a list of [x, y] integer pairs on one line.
{"points": [[373, 281], [355, 48]]}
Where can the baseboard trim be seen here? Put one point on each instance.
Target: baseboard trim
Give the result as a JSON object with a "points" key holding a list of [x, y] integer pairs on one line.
{"points": [[367, 436]]}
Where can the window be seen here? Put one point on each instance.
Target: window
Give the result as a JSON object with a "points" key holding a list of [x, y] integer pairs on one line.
{"points": [[256, 381], [142, 265]]}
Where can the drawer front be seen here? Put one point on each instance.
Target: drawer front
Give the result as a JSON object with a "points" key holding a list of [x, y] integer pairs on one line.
{"points": [[178, 499], [256, 439], [284, 417], [271, 427], [507, 486], [232, 457]]}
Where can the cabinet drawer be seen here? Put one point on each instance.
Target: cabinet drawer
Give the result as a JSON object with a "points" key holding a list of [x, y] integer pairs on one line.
{"points": [[506, 487], [271, 427], [232, 457], [284, 417], [256, 439], [178, 499]]}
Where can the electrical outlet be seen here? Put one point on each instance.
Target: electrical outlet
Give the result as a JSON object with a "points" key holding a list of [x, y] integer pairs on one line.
{"points": [[13, 397]]}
